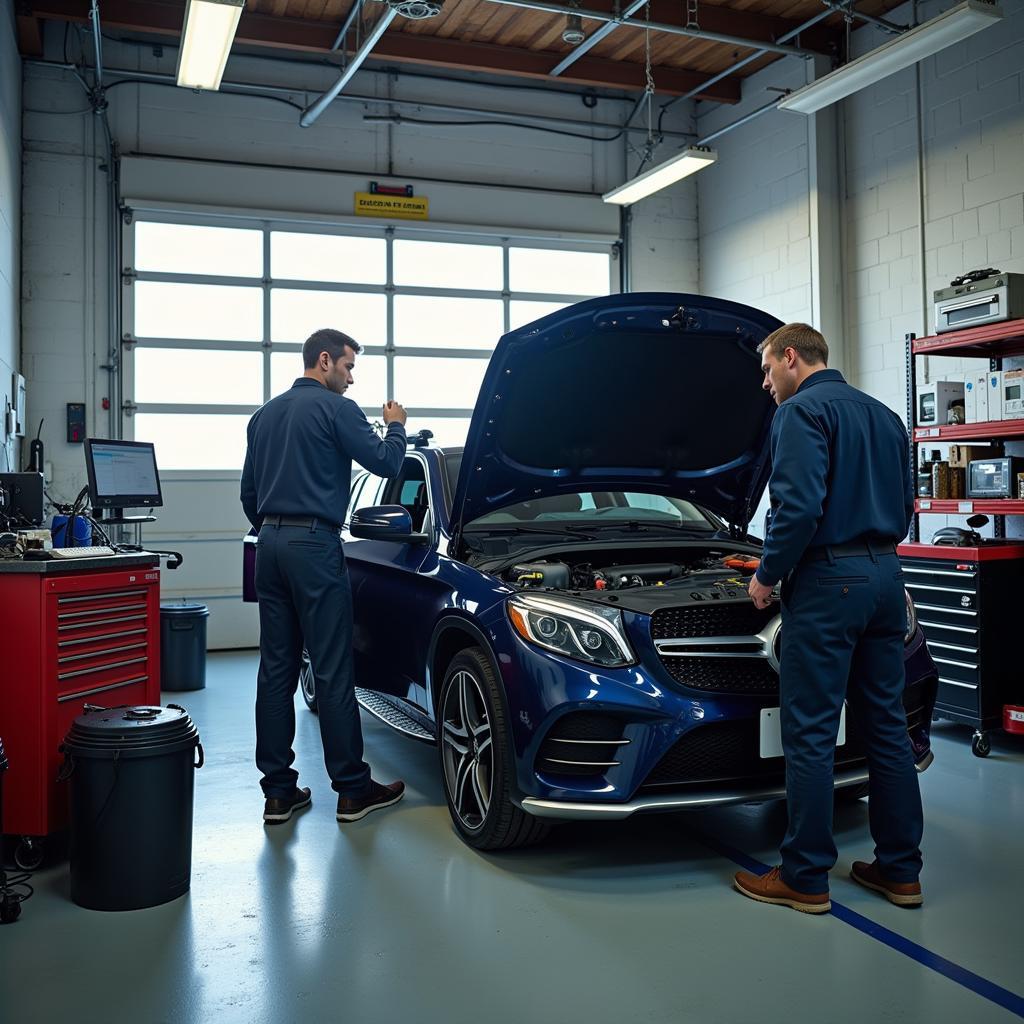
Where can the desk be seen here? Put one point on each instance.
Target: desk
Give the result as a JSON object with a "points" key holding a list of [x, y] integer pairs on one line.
{"points": [[73, 634]]}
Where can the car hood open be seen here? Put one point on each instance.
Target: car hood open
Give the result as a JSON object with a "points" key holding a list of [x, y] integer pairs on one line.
{"points": [[653, 392]]}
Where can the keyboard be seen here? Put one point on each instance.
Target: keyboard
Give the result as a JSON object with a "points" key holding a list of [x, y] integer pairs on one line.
{"points": [[96, 551]]}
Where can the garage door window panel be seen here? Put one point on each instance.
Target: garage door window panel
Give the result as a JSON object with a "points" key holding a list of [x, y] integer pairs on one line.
{"points": [[198, 249], [198, 376], [300, 256], [214, 312]]}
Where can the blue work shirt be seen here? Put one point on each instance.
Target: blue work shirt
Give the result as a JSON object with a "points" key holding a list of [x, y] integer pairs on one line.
{"points": [[840, 473], [301, 448]]}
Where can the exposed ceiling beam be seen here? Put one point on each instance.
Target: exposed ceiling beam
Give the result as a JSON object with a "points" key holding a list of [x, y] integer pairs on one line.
{"points": [[596, 71], [30, 35], [594, 37], [318, 37]]}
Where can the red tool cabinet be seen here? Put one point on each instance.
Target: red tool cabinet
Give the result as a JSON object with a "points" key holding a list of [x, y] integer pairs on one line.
{"points": [[71, 636]]}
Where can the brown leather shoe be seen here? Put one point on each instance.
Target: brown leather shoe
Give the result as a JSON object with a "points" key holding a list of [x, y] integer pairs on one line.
{"points": [[376, 796], [903, 894], [770, 888], [277, 810]]}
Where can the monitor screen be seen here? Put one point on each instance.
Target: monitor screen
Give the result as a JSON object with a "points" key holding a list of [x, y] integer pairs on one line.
{"points": [[122, 474]]}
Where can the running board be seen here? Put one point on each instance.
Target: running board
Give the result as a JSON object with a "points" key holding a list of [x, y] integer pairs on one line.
{"points": [[381, 708]]}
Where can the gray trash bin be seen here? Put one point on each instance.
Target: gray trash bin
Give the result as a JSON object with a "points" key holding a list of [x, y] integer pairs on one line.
{"points": [[183, 646]]}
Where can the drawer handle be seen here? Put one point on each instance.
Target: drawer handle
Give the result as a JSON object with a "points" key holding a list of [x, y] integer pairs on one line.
{"points": [[955, 682], [100, 689], [100, 668]]}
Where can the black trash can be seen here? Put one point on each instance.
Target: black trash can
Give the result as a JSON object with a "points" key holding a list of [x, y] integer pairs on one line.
{"points": [[183, 646], [132, 776]]}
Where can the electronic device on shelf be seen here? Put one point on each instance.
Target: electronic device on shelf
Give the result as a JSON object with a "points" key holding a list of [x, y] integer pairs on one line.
{"points": [[979, 297]]}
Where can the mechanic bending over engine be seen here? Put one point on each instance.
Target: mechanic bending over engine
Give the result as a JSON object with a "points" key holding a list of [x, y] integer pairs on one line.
{"points": [[295, 488], [842, 498]]}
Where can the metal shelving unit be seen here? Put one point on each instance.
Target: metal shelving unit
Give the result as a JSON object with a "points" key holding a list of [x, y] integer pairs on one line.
{"points": [[994, 342], [964, 595]]}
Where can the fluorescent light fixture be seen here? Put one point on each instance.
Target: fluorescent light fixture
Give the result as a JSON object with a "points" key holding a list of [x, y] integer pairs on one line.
{"points": [[907, 49], [684, 163], [206, 39]]}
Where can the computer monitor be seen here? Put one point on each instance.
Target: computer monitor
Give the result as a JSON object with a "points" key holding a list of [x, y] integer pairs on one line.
{"points": [[122, 474]]}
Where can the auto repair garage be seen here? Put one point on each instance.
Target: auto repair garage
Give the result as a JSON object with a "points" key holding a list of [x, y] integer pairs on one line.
{"points": [[503, 502]]}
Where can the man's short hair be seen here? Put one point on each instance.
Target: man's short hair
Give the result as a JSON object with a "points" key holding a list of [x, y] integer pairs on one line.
{"points": [[330, 341], [809, 344]]}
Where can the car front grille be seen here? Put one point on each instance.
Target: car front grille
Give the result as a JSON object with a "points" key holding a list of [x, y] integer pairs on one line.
{"points": [[740, 674], [582, 743], [724, 675], [739, 619], [729, 752]]}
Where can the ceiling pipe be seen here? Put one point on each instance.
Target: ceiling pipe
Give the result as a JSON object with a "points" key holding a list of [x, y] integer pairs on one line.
{"points": [[658, 26], [94, 17], [594, 38], [314, 110], [792, 34], [354, 10]]}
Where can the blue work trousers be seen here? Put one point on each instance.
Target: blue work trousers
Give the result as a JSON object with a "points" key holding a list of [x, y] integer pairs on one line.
{"points": [[843, 624], [304, 595]]}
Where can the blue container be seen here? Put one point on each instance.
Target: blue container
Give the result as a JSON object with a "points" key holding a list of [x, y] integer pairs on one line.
{"points": [[81, 532]]}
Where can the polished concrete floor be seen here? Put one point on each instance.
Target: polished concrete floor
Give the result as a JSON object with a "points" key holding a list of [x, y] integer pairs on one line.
{"points": [[393, 919]]}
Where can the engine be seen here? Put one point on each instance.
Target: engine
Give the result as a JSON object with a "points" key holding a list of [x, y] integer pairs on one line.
{"points": [[583, 576]]}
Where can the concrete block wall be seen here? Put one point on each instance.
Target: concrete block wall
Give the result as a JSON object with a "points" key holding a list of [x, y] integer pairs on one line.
{"points": [[10, 227], [753, 204]]}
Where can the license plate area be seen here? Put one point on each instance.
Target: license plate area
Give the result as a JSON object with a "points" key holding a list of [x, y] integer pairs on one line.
{"points": [[771, 732]]}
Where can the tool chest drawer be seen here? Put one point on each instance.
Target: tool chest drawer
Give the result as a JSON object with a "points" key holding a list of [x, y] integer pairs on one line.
{"points": [[83, 637], [965, 604]]}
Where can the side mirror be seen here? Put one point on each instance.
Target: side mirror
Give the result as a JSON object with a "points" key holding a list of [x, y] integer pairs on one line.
{"points": [[385, 522]]}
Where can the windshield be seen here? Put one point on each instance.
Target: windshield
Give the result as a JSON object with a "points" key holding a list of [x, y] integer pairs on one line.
{"points": [[594, 508]]}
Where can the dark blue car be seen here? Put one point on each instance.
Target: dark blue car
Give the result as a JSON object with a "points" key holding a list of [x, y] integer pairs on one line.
{"points": [[576, 637]]}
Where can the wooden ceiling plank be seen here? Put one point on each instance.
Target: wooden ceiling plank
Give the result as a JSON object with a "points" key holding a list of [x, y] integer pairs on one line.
{"points": [[317, 37]]}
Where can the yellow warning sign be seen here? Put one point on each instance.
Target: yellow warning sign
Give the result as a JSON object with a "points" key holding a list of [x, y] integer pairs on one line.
{"points": [[368, 204]]}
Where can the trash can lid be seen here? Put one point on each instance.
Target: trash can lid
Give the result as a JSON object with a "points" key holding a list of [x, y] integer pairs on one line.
{"points": [[192, 608], [126, 728]]}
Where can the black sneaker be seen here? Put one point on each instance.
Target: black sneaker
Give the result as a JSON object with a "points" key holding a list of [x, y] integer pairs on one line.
{"points": [[279, 809], [377, 796]]}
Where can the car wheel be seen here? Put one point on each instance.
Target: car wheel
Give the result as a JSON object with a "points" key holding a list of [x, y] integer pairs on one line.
{"points": [[850, 794], [307, 683], [476, 758]]}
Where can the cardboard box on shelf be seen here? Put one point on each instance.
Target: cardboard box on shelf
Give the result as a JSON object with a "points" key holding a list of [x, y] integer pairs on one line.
{"points": [[960, 455]]}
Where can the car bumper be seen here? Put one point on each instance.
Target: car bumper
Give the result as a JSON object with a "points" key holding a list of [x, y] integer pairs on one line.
{"points": [[712, 797]]}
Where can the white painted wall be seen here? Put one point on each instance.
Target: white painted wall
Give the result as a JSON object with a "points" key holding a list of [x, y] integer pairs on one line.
{"points": [[10, 225], [229, 150], [753, 204]]}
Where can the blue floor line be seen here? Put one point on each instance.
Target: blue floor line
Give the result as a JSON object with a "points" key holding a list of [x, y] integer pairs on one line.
{"points": [[968, 979]]}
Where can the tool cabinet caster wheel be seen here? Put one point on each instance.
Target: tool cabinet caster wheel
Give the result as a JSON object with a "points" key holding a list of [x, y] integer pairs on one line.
{"points": [[29, 853], [981, 745]]}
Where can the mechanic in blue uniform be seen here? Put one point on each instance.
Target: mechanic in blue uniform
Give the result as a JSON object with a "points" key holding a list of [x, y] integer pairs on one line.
{"points": [[842, 498], [295, 489]]}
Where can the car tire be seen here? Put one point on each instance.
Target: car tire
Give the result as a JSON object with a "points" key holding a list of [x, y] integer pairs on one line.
{"points": [[476, 758], [850, 794], [307, 683]]}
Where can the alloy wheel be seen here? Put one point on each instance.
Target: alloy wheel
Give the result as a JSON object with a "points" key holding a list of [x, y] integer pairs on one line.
{"points": [[468, 752]]}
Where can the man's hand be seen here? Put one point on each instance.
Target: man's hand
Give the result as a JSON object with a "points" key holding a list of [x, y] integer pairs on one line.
{"points": [[395, 413], [759, 593]]}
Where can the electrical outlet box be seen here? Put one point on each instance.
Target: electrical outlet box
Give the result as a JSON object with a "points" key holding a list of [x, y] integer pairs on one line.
{"points": [[76, 422]]}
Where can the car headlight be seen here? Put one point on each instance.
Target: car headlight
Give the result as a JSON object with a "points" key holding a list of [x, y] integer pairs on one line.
{"points": [[911, 618], [594, 635]]}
